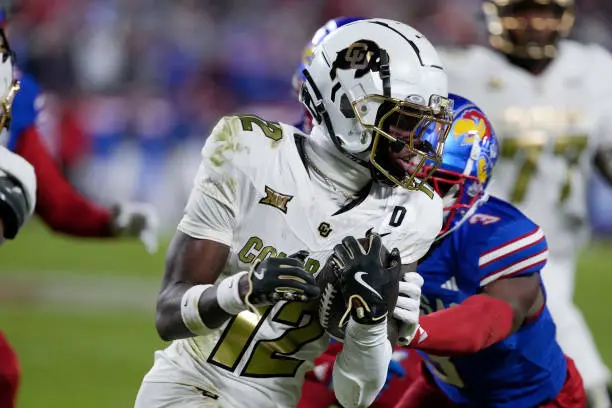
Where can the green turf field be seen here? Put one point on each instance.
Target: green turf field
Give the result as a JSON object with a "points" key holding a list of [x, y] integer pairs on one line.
{"points": [[80, 314]]}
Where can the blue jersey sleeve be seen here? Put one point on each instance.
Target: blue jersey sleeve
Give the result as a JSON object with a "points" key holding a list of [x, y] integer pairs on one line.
{"points": [[25, 109], [517, 248]]}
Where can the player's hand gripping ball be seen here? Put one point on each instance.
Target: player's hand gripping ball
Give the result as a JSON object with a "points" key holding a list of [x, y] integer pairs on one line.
{"points": [[280, 278], [372, 278]]}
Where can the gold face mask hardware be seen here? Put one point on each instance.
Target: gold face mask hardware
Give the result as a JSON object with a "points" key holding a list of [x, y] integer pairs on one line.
{"points": [[6, 105], [438, 114]]}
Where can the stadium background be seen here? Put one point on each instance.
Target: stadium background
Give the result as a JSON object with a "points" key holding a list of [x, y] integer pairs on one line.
{"points": [[133, 88]]}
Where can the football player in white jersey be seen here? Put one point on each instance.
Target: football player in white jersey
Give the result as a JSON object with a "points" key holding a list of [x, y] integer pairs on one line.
{"points": [[241, 313], [549, 99]]}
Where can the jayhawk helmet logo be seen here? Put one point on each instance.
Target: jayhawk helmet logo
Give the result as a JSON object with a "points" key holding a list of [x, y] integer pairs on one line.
{"points": [[471, 124]]}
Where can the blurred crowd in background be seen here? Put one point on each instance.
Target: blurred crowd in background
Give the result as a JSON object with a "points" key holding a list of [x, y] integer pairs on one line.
{"points": [[134, 86]]}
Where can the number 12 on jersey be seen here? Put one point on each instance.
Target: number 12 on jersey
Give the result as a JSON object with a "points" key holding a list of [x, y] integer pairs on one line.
{"points": [[269, 357]]}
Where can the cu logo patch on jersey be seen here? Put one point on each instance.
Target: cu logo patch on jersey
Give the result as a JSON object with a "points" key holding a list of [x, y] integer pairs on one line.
{"points": [[325, 229]]}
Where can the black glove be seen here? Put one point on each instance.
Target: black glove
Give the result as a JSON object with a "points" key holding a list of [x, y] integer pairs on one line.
{"points": [[277, 279], [365, 282]]}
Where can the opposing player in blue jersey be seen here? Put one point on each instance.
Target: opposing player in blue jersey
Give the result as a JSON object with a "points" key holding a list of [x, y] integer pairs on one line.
{"points": [[486, 335], [487, 260]]}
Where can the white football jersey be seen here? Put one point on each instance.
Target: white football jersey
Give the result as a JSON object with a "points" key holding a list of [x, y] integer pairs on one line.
{"points": [[258, 199], [547, 125]]}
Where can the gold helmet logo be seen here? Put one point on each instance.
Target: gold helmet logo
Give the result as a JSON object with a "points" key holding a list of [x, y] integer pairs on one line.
{"points": [[357, 56]]}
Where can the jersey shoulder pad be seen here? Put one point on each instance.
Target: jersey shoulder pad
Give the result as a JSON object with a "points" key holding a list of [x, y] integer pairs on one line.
{"points": [[416, 220], [513, 245], [245, 142], [26, 106]]}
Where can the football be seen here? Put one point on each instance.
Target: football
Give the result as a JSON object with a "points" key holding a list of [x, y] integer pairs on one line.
{"points": [[332, 304]]}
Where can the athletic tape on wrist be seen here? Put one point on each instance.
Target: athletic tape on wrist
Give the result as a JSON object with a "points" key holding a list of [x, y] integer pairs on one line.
{"points": [[190, 311], [228, 294]]}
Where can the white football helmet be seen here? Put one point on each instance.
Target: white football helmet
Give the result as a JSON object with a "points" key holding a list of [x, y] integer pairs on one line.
{"points": [[376, 86], [8, 83]]}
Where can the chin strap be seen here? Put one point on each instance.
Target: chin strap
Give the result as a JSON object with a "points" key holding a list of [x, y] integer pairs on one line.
{"points": [[385, 72]]}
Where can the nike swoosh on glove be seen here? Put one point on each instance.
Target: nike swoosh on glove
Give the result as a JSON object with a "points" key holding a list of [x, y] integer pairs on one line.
{"points": [[407, 307], [366, 283]]}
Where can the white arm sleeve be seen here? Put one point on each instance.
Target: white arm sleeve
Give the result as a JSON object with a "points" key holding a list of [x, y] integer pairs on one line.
{"points": [[361, 368], [17, 167]]}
